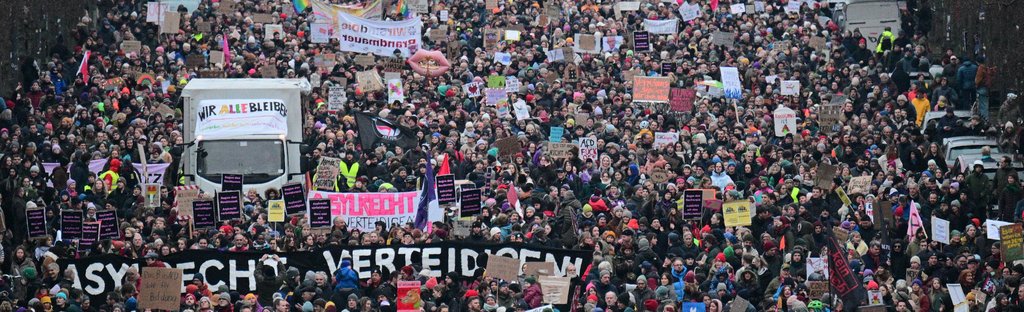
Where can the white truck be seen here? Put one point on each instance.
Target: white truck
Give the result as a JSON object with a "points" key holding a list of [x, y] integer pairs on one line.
{"points": [[251, 127]]}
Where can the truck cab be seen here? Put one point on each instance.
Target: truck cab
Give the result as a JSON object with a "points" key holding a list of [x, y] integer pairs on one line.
{"points": [[251, 127], [870, 16]]}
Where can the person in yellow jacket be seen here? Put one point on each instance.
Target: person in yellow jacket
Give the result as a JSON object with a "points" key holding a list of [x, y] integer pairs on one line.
{"points": [[921, 105], [111, 176], [885, 41]]}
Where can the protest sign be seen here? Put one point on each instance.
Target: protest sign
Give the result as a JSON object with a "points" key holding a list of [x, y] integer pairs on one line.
{"points": [[409, 299], [737, 212], [229, 206], [588, 148], [508, 146], [195, 61], [830, 118], [171, 23], [446, 189], [992, 228], [785, 121], [496, 96], [151, 193], [860, 185], [156, 11], [336, 98], [90, 235], [662, 139], [362, 210], [357, 34], [294, 198], [469, 203], [204, 214], [160, 288], [739, 304], [319, 212], [512, 35], [817, 288], [491, 38], [70, 224], [231, 182], [419, 6], [275, 210], [204, 27], [651, 89], [268, 71], [689, 11], [612, 43], [681, 100], [561, 150], [662, 27], [731, 83], [940, 230], [506, 268], [369, 80], [462, 228], [365, 60], [1012, 244], [790, 87], [693, 204], [555, 289], [641, 41], [867, 308], [538, 268], [587, 42], [737, 8], [817, 269], [131, 46], [216, 57], [320, 32], [818, 43], [723, 38], [667, 68], [758, 6], [824, 176], [110, 228], [842, 196], [262, 18], [396, 91], [556, 134], [555, 55]]}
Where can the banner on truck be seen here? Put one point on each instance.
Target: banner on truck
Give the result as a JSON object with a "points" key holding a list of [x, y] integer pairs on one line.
{"points": [[356, 34], [362, 210], [226, 118]]}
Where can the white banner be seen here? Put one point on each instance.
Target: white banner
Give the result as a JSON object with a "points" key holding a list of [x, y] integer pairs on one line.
{"points": [[662, 27], [362, 210], [785, 123], [731, 83], [689, 11], [665, 138], [156, 11], [226, 118], [155, 171], [382, 38], [790, 87]]}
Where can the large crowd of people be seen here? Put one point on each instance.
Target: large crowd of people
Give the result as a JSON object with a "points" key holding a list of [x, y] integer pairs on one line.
{"points": [[647, 257]]}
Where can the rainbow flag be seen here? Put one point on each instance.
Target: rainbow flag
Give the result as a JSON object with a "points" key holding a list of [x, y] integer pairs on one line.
{"points": [[300, 5], [403, 8]]}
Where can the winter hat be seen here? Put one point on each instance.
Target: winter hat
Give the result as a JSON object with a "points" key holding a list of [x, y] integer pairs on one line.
{"points": [[307, 307], [471, 293]]}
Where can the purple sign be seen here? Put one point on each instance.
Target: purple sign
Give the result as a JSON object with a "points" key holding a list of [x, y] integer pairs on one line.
{"points": [[294, 198], [693, 204], [90, 235], [469, 200], [36, 222], [446, 189], [320, 212], [641, 41], [70, 224], [109, 228], [203, 213], [229, 205], [231, 182]]}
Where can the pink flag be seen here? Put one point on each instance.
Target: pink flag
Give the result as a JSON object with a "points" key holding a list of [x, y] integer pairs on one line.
{"points": [[513, 199], [714, 6], [83, 68], [227, 50]]}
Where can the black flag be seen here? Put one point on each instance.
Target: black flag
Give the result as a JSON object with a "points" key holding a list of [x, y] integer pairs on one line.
{"points": [[843, 281], [375, 130]]}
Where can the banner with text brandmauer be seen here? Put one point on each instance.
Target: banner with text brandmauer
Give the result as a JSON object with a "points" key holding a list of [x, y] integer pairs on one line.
{"points": [[104, 273], [356, 34]]}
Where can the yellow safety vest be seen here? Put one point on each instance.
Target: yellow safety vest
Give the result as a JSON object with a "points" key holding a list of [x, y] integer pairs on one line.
{"points": [[114, 178], [349, 173]]}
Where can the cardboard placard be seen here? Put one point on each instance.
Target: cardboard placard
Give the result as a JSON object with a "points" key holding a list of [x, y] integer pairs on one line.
{"points": [[229, 205], [661, 175], [336, 98], [392, 64], [588, 147], [724, 38], [227, 6], [171, 23], [651, 89], [740, 305], [275, 210], [216, 57], [506, 268], [204, 27], [160, 288], [365, 60], [369, 81], [561, 150], [204, 214], [110, 228], [508, 146], [491, 4], [438, 35], [841, 234], [830, 118], [268, 71], [818, 43], [212, 73], [320, 212], [817, 288], [131, 46], [71, 224], [824, 176], [463, 228], [195, 61], [294, 196], [231, 182], [859, 185], [1012, 242], [446, 189], [555, 289], [539, 268], [491, 38], [327, 174], [469, 203], [587, 42], [262, 18]]}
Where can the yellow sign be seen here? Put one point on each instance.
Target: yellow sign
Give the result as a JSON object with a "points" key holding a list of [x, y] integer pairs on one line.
{"points": [[275, 211], [737, 212], [843, 197]]}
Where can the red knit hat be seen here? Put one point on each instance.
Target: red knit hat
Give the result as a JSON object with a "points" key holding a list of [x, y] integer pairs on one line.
{"points": [[720, 257], [651, 305], [472, 293]]}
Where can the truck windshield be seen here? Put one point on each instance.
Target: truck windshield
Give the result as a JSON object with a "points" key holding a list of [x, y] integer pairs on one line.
{"points": [[259, 160]]}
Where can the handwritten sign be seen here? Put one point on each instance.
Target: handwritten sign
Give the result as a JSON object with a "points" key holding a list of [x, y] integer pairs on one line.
{"points": [[561, 150], [508, 146], [784, 119], [555, 289], [1012, 244], [662, 139], [538, 269], [327, 173], [681, 99], [860, 185], [660, 175], [505, 268], [651, 89], [160, 288], [320, 212], [790, 87], [825, 174], [131, 46]]}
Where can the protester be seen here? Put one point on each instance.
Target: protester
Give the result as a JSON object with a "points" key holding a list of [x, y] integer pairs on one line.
{"points": [[70, 134]]}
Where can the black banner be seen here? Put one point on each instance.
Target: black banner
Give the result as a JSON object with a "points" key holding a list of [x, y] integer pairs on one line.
{"points": [[843, 281], [469, 201], [36, 222], [70, 224], [229, 206], [109, 228], [294, 198], [203, 214], [320, 212], [231, 182], [103, 273], [446, 189]]}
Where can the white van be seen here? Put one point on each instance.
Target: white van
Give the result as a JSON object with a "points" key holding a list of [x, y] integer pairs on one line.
{"points": [[870, 16]]}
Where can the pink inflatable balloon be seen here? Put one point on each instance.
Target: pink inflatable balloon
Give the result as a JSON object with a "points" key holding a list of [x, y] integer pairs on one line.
{"points": [[429, 63]]}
